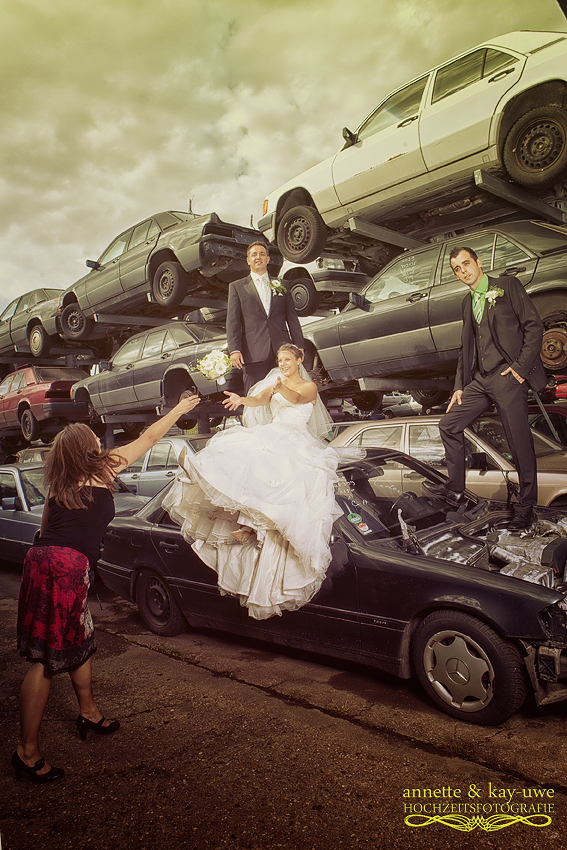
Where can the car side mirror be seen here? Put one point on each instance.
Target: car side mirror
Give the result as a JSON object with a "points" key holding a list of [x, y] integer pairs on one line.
{"points": [[94, 264], [478, 461], [104, 365], [356, 299], [12, 503], [349, 137]]}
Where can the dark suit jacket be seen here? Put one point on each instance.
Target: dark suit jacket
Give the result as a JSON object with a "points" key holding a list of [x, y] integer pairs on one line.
{"points": [[248, 328], [516, 329]]}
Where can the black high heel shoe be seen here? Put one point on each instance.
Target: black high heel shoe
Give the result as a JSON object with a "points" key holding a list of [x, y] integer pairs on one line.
{"points": [[21, 768], [83, 725]]}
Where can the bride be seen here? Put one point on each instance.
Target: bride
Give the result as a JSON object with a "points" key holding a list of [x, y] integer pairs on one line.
{"points": [[257, 503]]}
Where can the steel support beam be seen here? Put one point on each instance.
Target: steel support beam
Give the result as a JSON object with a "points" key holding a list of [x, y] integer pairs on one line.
{"points": [[383, 234], [520, 198]]}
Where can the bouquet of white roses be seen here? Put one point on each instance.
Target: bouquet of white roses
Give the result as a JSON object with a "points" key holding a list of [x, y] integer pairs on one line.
{"points": [[214, 366]]}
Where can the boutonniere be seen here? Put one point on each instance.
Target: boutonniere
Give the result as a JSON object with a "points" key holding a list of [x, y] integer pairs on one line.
{"points": [[277, 287], [492, 295]]}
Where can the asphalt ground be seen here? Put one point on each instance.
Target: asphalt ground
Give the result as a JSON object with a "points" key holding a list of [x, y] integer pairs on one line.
{"points": [[226, 743]]}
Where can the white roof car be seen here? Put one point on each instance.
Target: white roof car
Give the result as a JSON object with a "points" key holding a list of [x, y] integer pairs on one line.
{"points": [[498, 106]]}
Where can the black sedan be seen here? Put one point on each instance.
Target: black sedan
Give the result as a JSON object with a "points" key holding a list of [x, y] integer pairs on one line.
{"points": [[414, 587], [169, 259], [152, 369], [407, 323]]}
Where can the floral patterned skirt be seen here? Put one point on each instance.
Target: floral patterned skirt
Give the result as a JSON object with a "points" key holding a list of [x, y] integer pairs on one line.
{"points": [[54, 622]]}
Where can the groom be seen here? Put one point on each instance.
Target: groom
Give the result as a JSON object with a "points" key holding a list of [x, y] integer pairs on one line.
{"points": [[259, 319]]}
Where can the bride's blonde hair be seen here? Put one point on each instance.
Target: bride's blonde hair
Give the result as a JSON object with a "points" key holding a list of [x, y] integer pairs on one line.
{"points": [[298, 353]]}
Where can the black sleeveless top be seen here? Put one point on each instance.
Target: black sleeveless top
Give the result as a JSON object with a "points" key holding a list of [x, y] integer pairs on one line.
{"points": [[80, 529]]}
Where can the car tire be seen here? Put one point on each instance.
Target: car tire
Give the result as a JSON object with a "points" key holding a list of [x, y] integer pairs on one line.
{"points": [[535, 150], [305, 297], [551, 309], [302, 234], [367, 401], [467, 669], [39, 341], [132, 429], [169, 284], [159, 610], [430, 398], [75, 326], [30, 427], [102, 348]]}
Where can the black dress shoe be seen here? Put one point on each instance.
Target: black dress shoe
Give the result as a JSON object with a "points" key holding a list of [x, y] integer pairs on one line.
{"points": [[21, 768], [522, 519], [454, 497], [84, 725]]}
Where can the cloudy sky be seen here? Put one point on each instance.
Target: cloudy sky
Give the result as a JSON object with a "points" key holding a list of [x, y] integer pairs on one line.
{"points": [[116, 109]]}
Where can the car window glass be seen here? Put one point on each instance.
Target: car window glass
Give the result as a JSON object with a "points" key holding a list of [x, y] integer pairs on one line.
{"points": [[409, 273], [19, 381], [168, 343], [492, 432], [495, 60], [400, 106], [482, 244], [158, 456], [52, 293], [115, 249], [389, 436], [139, 235], [34, 487], [425, 444], [5, 385], [172, 462], [35, 296], [136, 466], [24, 302], [58, 373], [153, 344], [154, 229], [9, 311], [128, 353], [458, 74], [7, 486], [507, 254]]}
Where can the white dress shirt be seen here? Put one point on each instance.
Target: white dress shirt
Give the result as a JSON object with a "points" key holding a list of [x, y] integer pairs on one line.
{"points": [[262, 284]]}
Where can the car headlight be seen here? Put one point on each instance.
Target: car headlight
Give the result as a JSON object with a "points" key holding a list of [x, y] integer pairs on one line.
{"points": [[331, 263]]}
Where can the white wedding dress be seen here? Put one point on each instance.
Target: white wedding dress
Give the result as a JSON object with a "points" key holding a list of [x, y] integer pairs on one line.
{"points": [[276, 479]]}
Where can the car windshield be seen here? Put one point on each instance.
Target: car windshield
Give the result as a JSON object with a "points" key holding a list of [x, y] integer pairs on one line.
{"points": [[492, 432], [33, 486], [55, 373]]}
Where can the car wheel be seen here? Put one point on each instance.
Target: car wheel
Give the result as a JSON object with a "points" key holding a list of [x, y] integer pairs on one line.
{"points": [[430, 398], [551, 309], [102, 348], [160, 612], [132, 429], [75, 325], [367, 401], [169, 286], [305, 297], [535, 150], [39, 341], [302, 234], [468, 670], [29, 425]]}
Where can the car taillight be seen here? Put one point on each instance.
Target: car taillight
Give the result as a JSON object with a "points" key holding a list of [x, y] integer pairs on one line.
{"points": [[265, 207]]}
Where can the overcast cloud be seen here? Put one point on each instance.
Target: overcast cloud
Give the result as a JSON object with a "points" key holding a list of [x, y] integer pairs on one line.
{"points": [[112, 110]]}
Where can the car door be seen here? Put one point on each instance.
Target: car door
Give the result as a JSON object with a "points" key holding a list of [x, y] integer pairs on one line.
{"points": [[465, 96], [159, 470], [10, 518], [385, 436], [102, 285], [5, 322], [387, 149], [393, 324], [133, 262], [21, 317], [4, 390], [149, 368], [116, 384], [11, 401], [195, 582]]}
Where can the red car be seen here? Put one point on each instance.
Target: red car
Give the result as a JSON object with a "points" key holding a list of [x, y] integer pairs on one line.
{"points": [[36, 401]]}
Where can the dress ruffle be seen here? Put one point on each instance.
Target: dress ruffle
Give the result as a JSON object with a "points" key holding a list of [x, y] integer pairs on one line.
{"points": [[277, 480]]}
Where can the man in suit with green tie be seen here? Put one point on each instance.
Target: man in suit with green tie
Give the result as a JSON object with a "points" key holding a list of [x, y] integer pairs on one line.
{"points": [[499, 360]]}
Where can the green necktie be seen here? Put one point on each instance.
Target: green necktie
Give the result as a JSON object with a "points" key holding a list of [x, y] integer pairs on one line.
{"points": [[478, 306]]}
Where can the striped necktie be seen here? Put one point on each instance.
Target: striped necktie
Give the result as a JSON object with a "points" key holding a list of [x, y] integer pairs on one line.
{"points": [[478, 306]]}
